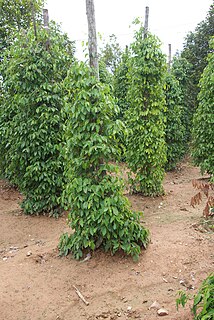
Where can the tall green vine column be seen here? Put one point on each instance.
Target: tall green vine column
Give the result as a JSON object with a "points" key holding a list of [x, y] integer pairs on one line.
{"points": [[99, 213], [146, 148], [175, 130], [203, 120], [31, 122]]}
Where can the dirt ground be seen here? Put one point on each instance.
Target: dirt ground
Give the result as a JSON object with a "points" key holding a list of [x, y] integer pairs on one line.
{"points": [[36, 284]]}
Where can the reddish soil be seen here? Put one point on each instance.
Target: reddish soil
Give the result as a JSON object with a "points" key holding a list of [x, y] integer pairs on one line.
{"points": [[36, 284]]}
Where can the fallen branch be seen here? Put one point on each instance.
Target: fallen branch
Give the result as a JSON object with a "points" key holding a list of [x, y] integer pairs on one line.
{"points": [[81, 296]]}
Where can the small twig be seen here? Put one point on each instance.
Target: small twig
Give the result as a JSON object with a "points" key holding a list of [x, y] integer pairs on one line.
{"points": [[81, 296], [88, 257]]}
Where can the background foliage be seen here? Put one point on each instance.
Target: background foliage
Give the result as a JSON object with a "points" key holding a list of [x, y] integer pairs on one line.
{"points": [[180, 69], [175, 130], [196, 49], [111, 54], [16, 15]]}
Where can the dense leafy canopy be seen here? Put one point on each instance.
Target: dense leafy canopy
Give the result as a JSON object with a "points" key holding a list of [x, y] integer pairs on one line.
{"points": [[121, 83], [16, 15], [100, 214], [111, 53], [196, 49], [175, 130], [30, 116], [146, 148], [180, 69], [203, 122]]}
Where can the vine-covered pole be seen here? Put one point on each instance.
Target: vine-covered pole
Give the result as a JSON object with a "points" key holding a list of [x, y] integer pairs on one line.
{"points": [[92, 37], [169, 57], [146, 24]]}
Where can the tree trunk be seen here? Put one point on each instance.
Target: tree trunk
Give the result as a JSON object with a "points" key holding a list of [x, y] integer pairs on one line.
{"points": [[92, 37]]}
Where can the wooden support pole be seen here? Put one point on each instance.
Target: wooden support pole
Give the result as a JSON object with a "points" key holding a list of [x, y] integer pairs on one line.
{"points": [[146, 24], [46, 26], [46, 18], [170, 57], [34, 20], [92, 37]]}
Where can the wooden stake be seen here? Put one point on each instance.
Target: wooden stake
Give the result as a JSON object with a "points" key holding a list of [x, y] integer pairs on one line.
{"points": [[46, 26], [34, 20], [81, 296], [146, 24], [92, 37], [46, 18], [170, 57]]}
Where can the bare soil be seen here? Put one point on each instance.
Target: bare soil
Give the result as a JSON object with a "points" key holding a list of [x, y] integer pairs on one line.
{"points": [[37, 284]]}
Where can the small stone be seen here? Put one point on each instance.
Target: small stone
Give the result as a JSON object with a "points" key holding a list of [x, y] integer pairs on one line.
{"points": [[14, 248], [183, 209], [155, 305], [88, 257], [129, 308], [29, 253], [192, 276], [162, 312], [5, 258], [119, 314], [186, 284]]}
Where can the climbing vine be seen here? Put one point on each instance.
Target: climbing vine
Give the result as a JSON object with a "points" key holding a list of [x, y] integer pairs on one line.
{"points": [[203, 121], [30, 116], [99, 213], [146, 148], [175, 130]]}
